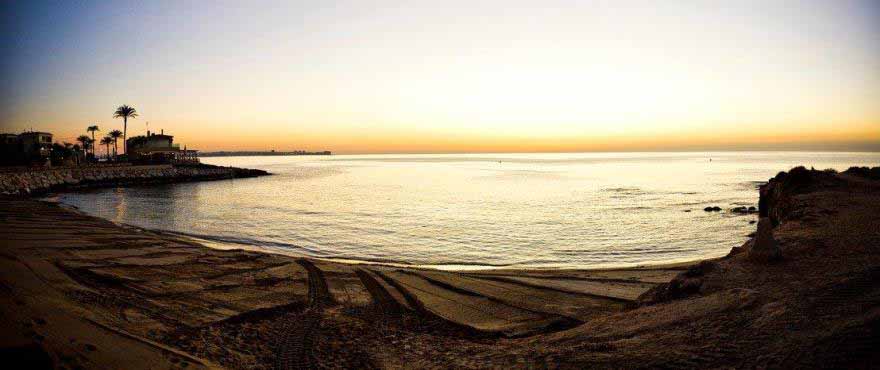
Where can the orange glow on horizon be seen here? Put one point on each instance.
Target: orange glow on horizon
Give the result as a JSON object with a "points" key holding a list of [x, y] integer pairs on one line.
{"points": [[454, 76]]}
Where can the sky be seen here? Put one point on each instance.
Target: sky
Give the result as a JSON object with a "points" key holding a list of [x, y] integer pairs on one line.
{"points": [[450, 76]]}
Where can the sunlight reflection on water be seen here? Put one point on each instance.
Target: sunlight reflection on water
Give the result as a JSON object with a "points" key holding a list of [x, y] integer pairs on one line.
{"points": [[500, 210]]}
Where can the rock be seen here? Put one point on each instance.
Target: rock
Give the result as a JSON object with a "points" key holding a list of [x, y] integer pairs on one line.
{"points": [[682, 285], [37, 182], [765, 248], [871, 173], [712, 209], [740, 210], [775, 200]]}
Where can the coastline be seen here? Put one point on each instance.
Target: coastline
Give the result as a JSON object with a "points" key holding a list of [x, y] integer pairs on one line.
{"points": [[36, 181], [84, 291], [93, 254]]}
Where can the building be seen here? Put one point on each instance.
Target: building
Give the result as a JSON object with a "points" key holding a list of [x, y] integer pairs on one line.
{"points": [[8, 139], [27, 148], [36, 144], [158, 148]]}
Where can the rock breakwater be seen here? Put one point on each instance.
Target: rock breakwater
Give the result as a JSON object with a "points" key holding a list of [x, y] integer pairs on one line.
{"points": [[40, 181]]}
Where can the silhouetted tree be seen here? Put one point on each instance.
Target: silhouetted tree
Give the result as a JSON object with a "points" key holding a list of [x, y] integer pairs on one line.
{"points": [[61, 153], [106, 141], [85, 142], [93, 129], [115, 134], [125, 112]]}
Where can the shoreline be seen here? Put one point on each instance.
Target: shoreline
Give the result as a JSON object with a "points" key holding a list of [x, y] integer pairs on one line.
{"points": [[85, 256], [81, 291], [84, 181], [451, 267], [206, 243]]}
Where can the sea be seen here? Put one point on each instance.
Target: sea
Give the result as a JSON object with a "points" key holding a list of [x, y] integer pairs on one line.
{"points": [[470, 211]]}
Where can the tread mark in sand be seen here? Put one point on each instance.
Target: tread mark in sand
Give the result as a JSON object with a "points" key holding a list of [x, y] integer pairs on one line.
{"points": [[294, 349], [388, 306]]}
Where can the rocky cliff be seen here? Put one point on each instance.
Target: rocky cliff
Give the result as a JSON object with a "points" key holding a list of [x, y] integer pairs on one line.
{"points": [[802, 293], [780, 200], [39, 181]]}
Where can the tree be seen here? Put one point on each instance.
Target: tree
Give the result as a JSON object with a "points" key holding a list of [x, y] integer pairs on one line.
{"points": [[125, 112], [60, 153], [115, 134], [106, 141], [93, 129], [85, 141]]}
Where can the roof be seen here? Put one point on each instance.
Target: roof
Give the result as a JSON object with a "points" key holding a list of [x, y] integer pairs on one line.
{"points": [[35, 133]]}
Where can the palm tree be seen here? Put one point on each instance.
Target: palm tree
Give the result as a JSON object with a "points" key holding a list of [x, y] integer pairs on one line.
{"points": [[106, 141], [125, 112], [115, 134], [92, 129], [85, 141]]}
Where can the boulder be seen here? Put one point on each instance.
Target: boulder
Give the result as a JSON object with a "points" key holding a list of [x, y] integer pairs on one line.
{"points": [[765, 249], [682, 285], [740, 210]]}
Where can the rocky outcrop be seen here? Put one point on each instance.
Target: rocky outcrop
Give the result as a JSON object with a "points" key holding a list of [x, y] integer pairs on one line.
{"points": [[775, 200], [872, 173], [764, 248], [743, 210], [776, 205], [39, 181], [682, 285]]}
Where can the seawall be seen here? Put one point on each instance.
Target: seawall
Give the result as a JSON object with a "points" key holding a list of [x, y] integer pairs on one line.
{"points": [[40, 181]]}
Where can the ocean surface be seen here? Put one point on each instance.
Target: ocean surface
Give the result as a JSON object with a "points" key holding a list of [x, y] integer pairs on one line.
{"points": [[578, 210]]}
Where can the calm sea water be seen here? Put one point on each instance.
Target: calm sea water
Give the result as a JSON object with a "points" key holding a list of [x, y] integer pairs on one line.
{"points": [[486, 210]]}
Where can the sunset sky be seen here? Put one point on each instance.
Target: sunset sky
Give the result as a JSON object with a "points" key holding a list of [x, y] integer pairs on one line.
{"points": [[450, 76]]}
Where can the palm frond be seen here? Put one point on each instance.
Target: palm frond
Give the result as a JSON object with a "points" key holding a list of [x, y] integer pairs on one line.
{"points": [[125, 111]]}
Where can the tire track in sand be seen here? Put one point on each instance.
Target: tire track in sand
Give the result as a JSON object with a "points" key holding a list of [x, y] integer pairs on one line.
{"points": [[295, 347]]}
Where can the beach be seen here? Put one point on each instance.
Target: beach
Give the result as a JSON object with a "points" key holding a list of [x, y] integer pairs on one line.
{"points": [[152, 287], [81, 291]]}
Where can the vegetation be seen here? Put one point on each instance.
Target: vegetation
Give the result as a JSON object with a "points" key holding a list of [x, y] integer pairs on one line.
{"points": [[61, 153], [85, 142], [138, 140], [93, 129], [106, 141], [125, 112], [115, 134]]}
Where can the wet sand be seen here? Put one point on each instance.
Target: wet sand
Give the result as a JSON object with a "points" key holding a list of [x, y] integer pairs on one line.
{"points": [[84, 292], [90, 289]]}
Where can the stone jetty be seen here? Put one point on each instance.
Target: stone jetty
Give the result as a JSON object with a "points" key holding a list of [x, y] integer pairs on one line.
{"points": [[39, 181]]}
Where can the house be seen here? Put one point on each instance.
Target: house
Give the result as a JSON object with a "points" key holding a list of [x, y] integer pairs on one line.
{"points": [[158, 148], [30, 147], [36, 144], [8, 139]]}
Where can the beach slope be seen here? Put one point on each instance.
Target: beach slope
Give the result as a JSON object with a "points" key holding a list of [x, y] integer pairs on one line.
{"points": [[80, 291]]}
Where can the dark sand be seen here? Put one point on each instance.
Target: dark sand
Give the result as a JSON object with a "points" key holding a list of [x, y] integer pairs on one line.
{"points": [[78, 291]]}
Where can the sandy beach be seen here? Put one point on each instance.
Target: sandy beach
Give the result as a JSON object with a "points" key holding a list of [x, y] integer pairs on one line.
{"points": [[84, 292]]}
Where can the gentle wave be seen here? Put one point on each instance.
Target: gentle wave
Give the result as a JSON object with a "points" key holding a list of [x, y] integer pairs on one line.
{"points": [[529, 210]]}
